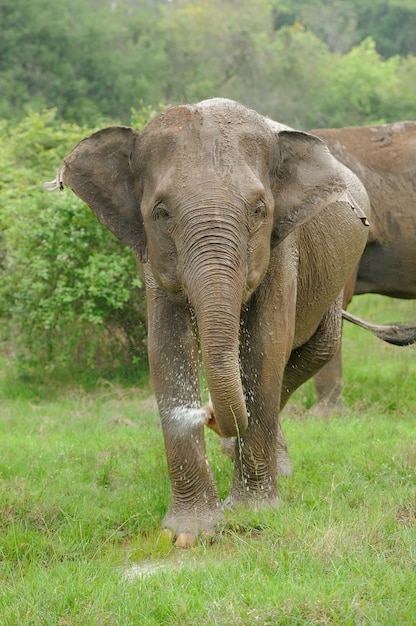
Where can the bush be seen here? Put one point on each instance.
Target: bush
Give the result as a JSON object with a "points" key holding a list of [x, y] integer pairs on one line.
{"points": [[70, 293], [364, 88]]}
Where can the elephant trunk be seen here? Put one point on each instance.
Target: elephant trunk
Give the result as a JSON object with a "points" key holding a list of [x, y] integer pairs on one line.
{"points": [[215, 290], [219, 336]]}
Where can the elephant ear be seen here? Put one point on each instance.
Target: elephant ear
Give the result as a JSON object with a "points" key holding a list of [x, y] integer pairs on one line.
{"points": [[99, 171], [307, 180]]}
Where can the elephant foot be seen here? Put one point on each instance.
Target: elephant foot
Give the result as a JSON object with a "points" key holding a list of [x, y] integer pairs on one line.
{"points": [[183, 540], [284, 464], [254, 502], [228, 447], [253, 493], [185, 530], [325, 408]]}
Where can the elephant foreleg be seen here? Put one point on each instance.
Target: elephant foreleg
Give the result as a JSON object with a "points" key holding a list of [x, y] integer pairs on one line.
{"points": [[260, 454], [173, 356]]}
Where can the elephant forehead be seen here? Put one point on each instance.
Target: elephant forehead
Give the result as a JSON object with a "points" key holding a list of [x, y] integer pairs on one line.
{"points": [[212, 138], [209, 168], [223, 185]]}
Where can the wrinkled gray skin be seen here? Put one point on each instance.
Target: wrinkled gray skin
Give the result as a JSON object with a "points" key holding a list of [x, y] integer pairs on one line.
{"points": [[384, 158], [246, 230]]}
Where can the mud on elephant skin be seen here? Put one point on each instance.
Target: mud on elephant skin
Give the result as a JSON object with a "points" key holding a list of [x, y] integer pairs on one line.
{"points": [[384, 159], [251, 229]]}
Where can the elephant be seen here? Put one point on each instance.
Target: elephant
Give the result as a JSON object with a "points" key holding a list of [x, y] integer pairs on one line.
{"points": [[245, 231], [384, 159]]}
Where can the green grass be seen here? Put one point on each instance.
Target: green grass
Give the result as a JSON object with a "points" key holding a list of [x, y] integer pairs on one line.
{"points": [[84, 486]]}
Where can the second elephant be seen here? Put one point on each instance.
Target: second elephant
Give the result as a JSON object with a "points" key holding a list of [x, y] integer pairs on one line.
{"points": [[384, 159]]}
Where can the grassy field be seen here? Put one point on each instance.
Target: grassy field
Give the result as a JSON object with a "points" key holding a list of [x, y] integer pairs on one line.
{"points": [[84, 486]]}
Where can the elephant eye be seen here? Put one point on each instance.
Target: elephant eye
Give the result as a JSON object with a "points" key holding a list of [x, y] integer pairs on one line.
{"points": [[258, 214], [259, 210], [160, 212]]}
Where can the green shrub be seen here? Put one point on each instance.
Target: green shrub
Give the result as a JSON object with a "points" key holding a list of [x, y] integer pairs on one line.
{"points": [[70, 293]]}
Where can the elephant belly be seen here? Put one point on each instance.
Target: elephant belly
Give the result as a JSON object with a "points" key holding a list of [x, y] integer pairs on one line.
{"points": [[388, 270], [328, 256]]}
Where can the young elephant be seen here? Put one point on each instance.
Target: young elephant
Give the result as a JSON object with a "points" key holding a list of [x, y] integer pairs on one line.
{"points": [[384, 158], [247, 231]]}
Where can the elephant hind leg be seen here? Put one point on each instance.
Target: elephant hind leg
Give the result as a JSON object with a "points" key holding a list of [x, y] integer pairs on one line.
{"points": [[328, 380], [328, 385], [306, 361]]}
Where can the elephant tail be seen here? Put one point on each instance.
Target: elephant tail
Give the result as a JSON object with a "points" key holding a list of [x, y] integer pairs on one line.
{"points": [[398, 333], [57, 183]]}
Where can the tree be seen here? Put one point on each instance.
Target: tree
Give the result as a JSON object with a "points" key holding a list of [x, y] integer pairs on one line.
{"points": [[70, 292], [345, 23], [361, 88], [391, 23], [93, 60], [70, 55]]}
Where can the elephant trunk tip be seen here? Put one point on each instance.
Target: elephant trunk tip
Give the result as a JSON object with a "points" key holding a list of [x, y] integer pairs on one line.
{"points": [[228, 429]]}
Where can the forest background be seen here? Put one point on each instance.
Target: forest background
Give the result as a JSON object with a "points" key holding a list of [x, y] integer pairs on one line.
{"points": [[70, 296]]}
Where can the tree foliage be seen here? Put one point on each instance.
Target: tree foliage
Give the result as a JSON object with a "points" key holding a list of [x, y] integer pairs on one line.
{"points": [[70, 292], [343, 24], [92, 59]]}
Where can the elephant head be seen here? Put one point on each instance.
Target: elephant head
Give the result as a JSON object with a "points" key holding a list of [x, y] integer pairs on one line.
{"points": [[201, 196]]}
